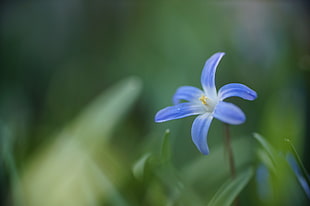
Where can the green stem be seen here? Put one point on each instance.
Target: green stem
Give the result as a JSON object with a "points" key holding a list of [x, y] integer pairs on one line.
{"points": [[230, 151], [230, 157]]}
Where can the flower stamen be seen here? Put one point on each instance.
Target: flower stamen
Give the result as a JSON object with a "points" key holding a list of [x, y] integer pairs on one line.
{"points": [[203, 99]]}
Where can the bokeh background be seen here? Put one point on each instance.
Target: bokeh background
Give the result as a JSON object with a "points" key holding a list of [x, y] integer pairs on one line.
{"points": [[81, 81]]}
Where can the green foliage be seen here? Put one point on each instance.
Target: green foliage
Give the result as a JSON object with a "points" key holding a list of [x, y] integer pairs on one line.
{"points": [[165, 152], [281, 176], [268, 155], [228, 192], [64, 142], [78, 166], [213, 169], [139, 167], [303, 169], [150, 161], [206, 173]]}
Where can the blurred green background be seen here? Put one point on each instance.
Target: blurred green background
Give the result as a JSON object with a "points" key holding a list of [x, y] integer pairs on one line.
{"points": [[81, 81]]}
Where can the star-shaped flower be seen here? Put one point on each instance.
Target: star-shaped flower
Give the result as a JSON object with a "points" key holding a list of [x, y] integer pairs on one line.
{"points": [[207, 103]]}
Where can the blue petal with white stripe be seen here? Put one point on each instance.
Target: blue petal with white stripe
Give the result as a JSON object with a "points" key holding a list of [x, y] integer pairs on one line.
{"points": [[208, 74], [178, 111], [187, 93], [229, 113], [200, 130], [237, 90]]}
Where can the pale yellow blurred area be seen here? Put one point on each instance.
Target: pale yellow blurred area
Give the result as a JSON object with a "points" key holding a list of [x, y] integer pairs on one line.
{"points": [[79, 167]]}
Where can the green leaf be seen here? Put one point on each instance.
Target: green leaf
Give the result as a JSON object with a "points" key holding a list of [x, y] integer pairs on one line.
{"points": [[208, 172], [139, 167], [299, 162], [265, 158], [267, 147], [96, 122], [230, 190], [165, 152], [64, 168], [154, 161], [279, 171]]}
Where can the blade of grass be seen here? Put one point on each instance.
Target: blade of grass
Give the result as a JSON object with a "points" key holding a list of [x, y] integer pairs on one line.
{"points": [[165, 152], [267, 147], [299, 162], [58, 167], [231, 189], [139, 167]]}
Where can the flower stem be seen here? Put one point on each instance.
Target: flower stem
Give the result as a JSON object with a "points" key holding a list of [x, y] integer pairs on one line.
{"points": [[230, 152], [230, 157]]}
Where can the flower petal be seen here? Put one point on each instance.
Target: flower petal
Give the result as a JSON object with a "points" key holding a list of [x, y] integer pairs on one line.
{"points": [[187, 93], [178, 111], [200, 130], [229, 113], [237, 90], [208, 74]]}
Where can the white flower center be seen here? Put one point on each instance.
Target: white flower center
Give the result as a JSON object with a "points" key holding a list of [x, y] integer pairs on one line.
{"points": [[208, 103]]}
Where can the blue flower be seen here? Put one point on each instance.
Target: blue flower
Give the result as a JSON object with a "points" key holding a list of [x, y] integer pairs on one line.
{"points": [[207, 103]]}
